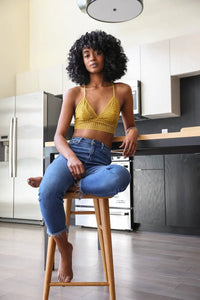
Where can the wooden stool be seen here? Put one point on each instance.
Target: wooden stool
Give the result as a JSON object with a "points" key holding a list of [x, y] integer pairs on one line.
{"points": [[101, 205]]}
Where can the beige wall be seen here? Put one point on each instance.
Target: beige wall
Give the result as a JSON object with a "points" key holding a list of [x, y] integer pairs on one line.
{"points": [[14, 47]]}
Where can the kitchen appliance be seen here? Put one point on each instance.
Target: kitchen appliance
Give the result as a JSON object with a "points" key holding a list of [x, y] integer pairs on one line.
{"points": [[136, 92], [26, 122], [135, 86], [121, 205]]}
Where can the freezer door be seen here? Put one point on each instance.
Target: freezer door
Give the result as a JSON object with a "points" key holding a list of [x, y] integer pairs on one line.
{"points": [[29, 154], [6, 181]]}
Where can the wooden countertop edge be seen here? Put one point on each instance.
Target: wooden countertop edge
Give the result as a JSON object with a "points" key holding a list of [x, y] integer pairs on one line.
{"points": [[146, 137], [184, 132]]}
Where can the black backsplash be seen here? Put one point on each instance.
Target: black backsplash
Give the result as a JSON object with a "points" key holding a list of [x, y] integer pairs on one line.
{"points": [[190, 111]]}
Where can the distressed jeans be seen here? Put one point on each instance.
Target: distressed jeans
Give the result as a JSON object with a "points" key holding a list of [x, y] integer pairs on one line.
{"points": [[101, 179]]}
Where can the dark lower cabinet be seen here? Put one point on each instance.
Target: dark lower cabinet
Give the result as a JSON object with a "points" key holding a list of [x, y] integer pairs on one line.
{"points": [[149, 201], [182, 187], [167, 193], [149, 198]]}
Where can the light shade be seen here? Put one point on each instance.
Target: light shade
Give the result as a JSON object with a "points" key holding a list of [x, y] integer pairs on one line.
{"points": [[112, 11]]}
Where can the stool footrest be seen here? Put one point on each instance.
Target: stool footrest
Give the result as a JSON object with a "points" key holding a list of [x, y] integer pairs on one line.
{"points": [[79, 284], [101, 210], [89, 212]]}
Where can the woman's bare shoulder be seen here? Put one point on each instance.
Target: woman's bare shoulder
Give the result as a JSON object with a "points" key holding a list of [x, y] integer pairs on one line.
{"points": [[122, 88], [72, 93]]}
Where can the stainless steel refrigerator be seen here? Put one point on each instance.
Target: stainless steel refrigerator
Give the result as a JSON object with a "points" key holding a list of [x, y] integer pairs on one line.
{"points": [[26, 122]]}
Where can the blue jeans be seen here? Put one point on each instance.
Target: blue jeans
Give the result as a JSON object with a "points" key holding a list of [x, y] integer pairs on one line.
{"points": [[101, 179]]}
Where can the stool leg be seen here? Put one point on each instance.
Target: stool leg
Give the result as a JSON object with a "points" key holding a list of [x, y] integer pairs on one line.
{"points": [[49, 266], [105, 218], [98, 218], [67, 207]]}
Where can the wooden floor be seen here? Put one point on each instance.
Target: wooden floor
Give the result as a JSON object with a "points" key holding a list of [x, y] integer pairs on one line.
{"points": [[148, 266]]}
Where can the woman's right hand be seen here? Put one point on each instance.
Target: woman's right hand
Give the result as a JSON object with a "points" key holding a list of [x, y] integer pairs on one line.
{"points": [[76, 167]]}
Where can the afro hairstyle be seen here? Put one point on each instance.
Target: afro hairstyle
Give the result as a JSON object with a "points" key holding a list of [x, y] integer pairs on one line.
{"points": [[115, 60]]}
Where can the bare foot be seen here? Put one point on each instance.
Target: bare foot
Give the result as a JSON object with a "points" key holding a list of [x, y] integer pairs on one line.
{"points": [[65, 273], [34, 181]]}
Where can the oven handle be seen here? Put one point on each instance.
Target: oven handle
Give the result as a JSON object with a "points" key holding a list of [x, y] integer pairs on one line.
{"points": [[119, 213]]}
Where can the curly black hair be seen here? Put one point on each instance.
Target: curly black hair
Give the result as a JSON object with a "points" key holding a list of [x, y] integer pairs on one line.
{"points": [[115, 60]]}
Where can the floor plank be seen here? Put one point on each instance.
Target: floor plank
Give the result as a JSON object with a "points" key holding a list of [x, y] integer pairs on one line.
{"points": [[151, 266]]}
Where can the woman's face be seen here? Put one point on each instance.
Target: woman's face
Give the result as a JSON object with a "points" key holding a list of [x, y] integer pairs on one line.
{"points": [[93, 60]]}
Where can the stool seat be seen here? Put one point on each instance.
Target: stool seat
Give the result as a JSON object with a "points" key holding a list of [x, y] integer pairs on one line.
{"points": [[101, 210]]}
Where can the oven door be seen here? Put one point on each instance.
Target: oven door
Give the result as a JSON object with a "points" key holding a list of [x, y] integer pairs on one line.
{"points": [[119, 218], [120, 200]]}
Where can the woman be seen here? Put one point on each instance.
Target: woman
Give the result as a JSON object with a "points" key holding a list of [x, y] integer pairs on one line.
{"points": [[96, 60]]}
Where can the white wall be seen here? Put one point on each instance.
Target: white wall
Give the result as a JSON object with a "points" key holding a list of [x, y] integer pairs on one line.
{"points": [[56, 24]]}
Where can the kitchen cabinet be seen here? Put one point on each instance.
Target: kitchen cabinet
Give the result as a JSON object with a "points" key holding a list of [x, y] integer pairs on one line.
{"points": [[149, 201], [160, 92], [184, 52], [182, 185], [167, 192]]}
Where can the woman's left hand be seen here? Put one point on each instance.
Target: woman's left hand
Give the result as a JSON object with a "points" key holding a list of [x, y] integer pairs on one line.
{"points": [[130, 142]]}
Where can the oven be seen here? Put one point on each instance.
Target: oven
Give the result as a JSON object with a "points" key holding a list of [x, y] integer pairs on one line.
{"points": [[121, 205]]}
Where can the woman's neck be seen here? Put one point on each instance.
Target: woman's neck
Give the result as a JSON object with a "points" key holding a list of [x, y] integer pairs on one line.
{"points": [[97, 80]]}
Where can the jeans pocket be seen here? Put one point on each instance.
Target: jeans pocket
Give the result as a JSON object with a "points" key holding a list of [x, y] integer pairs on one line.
{"points": [[75, 141], [106, 152]]}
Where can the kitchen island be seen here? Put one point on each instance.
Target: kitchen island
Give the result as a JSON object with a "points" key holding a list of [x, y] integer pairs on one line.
{"points": [[156, 208], [187, 140]]}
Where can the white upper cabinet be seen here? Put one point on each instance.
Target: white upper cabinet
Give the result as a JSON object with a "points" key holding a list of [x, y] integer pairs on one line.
{"points": [[133, 66], [160, 92], [185, 54]]}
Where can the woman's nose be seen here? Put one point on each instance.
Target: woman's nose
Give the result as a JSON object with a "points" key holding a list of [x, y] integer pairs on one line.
{"points": [[93, 56]]}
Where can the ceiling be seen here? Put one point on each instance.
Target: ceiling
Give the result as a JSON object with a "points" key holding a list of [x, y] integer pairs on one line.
{"points": [[160, 19]]}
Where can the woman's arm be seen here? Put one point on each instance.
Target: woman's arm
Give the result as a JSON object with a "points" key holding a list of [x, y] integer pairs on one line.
{"points": [[67, 111], [130, 142]]}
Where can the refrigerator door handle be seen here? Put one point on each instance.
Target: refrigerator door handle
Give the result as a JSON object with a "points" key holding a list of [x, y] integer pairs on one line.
{"points": [[10, 159], [15, 147]]}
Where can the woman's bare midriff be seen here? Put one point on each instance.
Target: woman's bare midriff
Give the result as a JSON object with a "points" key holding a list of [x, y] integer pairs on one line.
{"points": [[100, 136]]}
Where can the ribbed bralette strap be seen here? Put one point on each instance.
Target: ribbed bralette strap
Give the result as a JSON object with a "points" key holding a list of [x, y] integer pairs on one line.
{"points": [[113, 90], [84, 91]]}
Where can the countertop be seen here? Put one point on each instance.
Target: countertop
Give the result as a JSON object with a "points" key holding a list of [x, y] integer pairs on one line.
{"points": [[187, 140]]}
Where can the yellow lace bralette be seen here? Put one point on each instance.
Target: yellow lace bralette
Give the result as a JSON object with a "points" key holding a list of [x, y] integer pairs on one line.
{"points": [[87, 118]]}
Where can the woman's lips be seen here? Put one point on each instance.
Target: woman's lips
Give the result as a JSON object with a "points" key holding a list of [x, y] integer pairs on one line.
{"points": [[93, 65]]}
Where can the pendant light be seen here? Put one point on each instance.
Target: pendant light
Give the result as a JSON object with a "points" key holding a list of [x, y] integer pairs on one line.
{"points": [[111, 11]]}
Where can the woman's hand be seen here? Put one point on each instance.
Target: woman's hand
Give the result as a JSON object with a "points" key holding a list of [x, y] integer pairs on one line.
{"points": [[130, 142], [76, 167]]}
